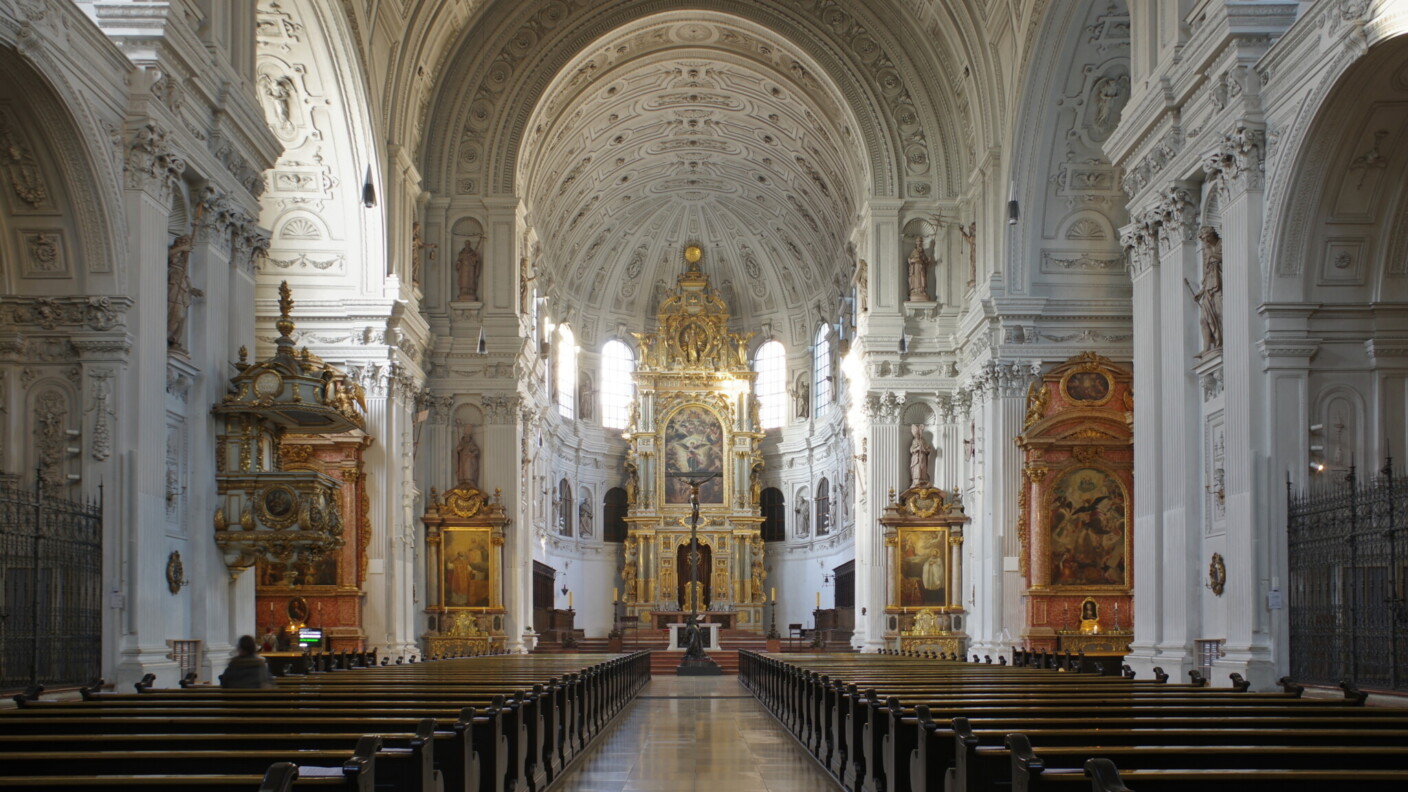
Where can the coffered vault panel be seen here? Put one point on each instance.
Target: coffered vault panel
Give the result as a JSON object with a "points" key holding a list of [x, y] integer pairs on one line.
{"points": [[712, 131]]}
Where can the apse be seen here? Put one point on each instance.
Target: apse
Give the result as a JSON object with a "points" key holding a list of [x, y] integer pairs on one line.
{"points": [[707, 130]]}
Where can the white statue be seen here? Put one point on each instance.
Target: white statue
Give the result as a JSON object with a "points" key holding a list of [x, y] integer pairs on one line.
{"points": [[920, 454], [918, 273], [467, 458]]}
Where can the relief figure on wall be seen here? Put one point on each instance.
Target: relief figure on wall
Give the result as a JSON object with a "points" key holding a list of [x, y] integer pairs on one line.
{"points": [[1088, 529], [694, 446]]}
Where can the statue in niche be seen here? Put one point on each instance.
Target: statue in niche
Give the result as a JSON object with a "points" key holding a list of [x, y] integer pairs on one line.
{"points": [[920, 456], [586, 397], [179, 291], [628, 573], [918, 272], [467, 267], [632, 483], [800, 393], [467, 458], [1210, 296], [418, 248], [584, 519], [804, 517], [970, 236]]}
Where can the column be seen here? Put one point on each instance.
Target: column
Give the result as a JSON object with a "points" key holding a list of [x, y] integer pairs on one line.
{"points": [[885, 456], [1237, 169], [1180, 446], [153, 168], [1140, 239], [1002, 389]]}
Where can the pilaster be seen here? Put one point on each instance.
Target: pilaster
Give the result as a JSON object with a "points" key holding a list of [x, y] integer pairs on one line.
{"points": [[884, 455]]}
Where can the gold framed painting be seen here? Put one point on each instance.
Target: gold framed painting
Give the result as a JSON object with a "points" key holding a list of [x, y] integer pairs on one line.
{"points": [[923, 569], [694, 446], [469, 578]]}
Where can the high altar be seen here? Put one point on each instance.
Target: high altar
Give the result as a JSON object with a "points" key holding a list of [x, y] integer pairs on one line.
{"points": [[694, 416]]}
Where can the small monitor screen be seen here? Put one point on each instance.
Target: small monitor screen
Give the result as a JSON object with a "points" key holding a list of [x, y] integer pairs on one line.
{"points": [[309, 636]]}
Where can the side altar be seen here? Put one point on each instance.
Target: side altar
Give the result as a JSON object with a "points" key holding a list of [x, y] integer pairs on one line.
{"points": [[924, 537], [464, 540], [695, 417]]}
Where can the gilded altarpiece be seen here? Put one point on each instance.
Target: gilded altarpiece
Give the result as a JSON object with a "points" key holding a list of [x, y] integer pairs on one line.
{"points": [[464, 540], [694, 418], [331, 586], [1075, 509], [924, 571]]}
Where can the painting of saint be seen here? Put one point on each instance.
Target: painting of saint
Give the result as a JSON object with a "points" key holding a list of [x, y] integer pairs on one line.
{"points": [[694, 446], [466, 569], [923, 569], [1088, 386], [1088, 525]]}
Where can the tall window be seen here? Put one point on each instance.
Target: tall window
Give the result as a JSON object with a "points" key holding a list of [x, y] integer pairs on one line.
{"points": [[771, 386], [566, 372], [617, 385], [821, 368], [823, 508]]}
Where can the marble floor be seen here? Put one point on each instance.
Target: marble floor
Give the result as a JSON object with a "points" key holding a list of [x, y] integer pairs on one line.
{"points": [[695, 733]]}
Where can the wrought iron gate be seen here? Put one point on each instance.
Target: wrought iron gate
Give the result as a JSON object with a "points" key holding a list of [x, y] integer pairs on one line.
{"points": [[1348, 557], [51, 570]]}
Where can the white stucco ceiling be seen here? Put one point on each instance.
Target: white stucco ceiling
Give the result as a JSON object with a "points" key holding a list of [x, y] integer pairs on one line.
{"points": [[693, 129]]}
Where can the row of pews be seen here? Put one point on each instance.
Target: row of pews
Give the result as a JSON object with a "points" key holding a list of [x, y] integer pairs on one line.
{"points": [[904, 723], [507, 723]]}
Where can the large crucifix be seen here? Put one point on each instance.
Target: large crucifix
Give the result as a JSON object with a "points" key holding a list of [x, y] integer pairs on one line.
{"points": [[695, 662]]}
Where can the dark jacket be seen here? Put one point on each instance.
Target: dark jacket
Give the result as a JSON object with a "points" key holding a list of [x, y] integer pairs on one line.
{"points": [[247, 672]]}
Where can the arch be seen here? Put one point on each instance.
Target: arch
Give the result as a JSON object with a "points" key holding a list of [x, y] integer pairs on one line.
{"points": [[61, 236], [1073, 90], [613, 515], [774, 509]]}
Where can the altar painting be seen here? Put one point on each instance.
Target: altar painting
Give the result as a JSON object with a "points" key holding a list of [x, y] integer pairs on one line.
{"points": [[923, 574], [694, 446], [1088, 526], [466, 568]]}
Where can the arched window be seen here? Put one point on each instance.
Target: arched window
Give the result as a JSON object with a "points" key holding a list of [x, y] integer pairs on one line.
{"points": [[821, 371], [618, 385], [564, 508], [771, 386], [566, 372], [823, 508], [774, 515], [613, 515]]}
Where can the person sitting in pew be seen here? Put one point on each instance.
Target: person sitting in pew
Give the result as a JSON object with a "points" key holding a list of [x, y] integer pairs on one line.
{"points": [[247, 669]]}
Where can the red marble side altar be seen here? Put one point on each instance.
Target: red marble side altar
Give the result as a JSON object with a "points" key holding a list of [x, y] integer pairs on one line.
{"points": [[1075, 509]]}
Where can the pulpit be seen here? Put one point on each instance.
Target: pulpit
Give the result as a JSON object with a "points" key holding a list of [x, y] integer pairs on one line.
{"points": [[464, 539], [924, 571]]}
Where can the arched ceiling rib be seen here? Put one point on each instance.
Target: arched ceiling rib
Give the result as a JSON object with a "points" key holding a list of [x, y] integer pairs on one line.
{"points": [[744, 150]]}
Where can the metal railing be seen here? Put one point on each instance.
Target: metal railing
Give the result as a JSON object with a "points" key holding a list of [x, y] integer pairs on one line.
{"points": [[51, 570], [1348, 561]]}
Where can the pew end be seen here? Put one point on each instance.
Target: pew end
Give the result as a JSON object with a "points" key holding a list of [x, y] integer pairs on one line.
{"points": [[1353, 696], [279, 777], [1239, 683], [1104, 776], [1289, 685]]}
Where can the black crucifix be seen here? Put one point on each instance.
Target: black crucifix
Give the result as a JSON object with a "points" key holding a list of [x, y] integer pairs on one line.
{"points": [[694, 482]]}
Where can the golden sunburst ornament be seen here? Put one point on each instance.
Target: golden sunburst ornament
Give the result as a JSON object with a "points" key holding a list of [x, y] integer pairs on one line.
{"points": [[693, 253]]}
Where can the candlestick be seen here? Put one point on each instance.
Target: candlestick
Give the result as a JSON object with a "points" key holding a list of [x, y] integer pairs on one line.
{"points": [[615, 594], [774, 593], [569, 600], [818, 600]]}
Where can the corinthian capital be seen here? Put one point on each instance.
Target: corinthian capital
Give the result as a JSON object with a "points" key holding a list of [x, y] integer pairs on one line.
{"points": [[151, 161], [1236, 165]]}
